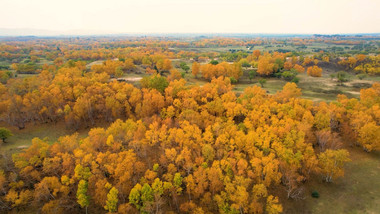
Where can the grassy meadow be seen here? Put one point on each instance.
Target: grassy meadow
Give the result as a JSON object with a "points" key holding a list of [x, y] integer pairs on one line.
{"points": [[22, 139], [351, 194]]}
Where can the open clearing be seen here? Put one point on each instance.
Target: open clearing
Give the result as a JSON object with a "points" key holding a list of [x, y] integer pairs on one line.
{"points": [[354, 193], [313, 88], [22, 139]]}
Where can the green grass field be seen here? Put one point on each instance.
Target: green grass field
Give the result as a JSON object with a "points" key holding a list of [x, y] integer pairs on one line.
{"points": [[357, 192], [22, 139]]}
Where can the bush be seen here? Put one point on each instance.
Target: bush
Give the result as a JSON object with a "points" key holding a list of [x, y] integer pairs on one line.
{"points": [[277, 75], [244, 63], [252, 74], [315, 194], [184, 66], [4, 133], [342, 77], [295, 80], [314, 71], [214, 62], [289, 75]]}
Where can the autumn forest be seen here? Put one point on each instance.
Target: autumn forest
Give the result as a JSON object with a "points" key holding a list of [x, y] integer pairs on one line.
{"points": [[184, 124]]}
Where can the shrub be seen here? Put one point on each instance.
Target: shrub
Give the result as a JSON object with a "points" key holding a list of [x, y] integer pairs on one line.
{"points": [[289, 75], [184, 66], [295, 80], [244, 63], [315, 194], [252, 74], [214, 62], [342, 77], [314, 71], [4, 133]]}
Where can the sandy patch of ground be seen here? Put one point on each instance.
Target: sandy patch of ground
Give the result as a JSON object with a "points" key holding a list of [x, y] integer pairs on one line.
{"points": [[128, 79], [354, 92], [22, 147]]}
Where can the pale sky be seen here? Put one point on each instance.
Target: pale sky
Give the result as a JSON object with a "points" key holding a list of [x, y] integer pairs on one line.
{"points": [[193, 16]]}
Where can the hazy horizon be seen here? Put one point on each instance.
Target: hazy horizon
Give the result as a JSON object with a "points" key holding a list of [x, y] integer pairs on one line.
{"points": [[43, 17], [23, 32]]}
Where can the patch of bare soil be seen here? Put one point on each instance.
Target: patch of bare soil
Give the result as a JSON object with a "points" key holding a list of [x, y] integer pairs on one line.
{"points": [[129, 79]]}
